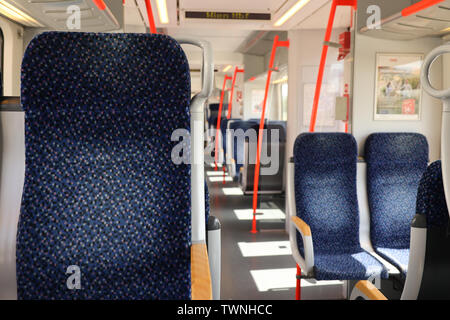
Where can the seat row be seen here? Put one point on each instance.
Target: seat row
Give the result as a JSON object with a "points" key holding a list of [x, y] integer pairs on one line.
{"points": [[238, 153], [105, 212], [351, 217]]}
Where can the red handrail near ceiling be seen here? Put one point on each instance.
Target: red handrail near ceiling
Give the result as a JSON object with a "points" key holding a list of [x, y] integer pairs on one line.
{"points": [[151, 19], [323, 59], [230, 104], [219, 117], [276, 44], [100, 4], [419, 6]]}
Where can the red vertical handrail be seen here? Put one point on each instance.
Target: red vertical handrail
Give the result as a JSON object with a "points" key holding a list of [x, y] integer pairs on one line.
{"points": [[347, 96], [219, 117], [323, 61], [276, 44], [323, 58], [298, 286], [230, 105], [100, 4], [151, 19]]}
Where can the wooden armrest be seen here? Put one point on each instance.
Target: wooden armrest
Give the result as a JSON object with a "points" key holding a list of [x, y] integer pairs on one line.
{"points": [[369, 290], [200, 275], [302, 226]]}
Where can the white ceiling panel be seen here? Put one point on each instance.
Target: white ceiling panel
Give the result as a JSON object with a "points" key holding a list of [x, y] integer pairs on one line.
{"points": [[319, 19], [171, 8], [221, 39]]}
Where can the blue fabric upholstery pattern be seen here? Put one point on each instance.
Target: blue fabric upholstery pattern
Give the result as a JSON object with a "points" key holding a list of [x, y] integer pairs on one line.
{"points": [[101, 192], [395, 164], [212, 120], [223, 128], [431, 198], [325, 195], [214, 107]]}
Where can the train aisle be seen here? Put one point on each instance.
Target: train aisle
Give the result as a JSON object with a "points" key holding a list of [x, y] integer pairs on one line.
{"points": [[257, 266]]}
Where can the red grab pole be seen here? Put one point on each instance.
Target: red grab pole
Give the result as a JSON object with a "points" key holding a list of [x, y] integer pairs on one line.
{"points": [[100, 4], [151, 20], [419, 6], [323, 59], [298, 287], [276, 44], [230, 105], [219, 117]]}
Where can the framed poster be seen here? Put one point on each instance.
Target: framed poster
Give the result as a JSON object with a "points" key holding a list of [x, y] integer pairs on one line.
{"points": [[398, 92]]}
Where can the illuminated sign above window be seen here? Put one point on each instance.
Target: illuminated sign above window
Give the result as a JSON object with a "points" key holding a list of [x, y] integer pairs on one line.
{"points": [[227, 15]]}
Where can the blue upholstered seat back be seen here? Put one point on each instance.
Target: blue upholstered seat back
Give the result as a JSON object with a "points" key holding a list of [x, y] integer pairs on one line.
{"points": [[325, 190], [395, 164], [223, 127], [238, 152], [431, 198], [214, 107], [101, 191]]}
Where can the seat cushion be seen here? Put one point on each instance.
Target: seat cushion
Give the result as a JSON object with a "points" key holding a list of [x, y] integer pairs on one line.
{"points": [[348, 266], [325, 195], [431, 200], [398, 257], [240, 133]]}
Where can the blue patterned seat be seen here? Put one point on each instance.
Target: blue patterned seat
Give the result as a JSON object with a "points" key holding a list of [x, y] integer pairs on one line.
{"points": [[325, 196], [431, 204], [223, 129], [101, 191], [238, 148], [431, 198], [395, 164]]}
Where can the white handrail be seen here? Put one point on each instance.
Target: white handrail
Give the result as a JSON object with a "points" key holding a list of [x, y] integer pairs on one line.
{"points": [[198, 219], [444, 95]]}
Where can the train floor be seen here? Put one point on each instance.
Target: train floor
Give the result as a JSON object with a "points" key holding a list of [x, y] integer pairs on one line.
{"points": [[258, 266]]}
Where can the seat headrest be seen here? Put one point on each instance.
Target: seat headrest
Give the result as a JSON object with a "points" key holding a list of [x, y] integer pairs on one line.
{"points": [[242, 124], [326, 147], [431, 198], [104, 73], [270, 129], [396, 147]]}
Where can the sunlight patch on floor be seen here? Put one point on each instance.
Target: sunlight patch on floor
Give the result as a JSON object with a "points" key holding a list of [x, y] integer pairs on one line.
{"points": [[274, 279], [265, 214], [213, 165], [265, 249]]}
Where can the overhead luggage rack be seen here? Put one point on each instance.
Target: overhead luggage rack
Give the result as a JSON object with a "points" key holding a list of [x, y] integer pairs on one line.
{"points": [[425, 18]]}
